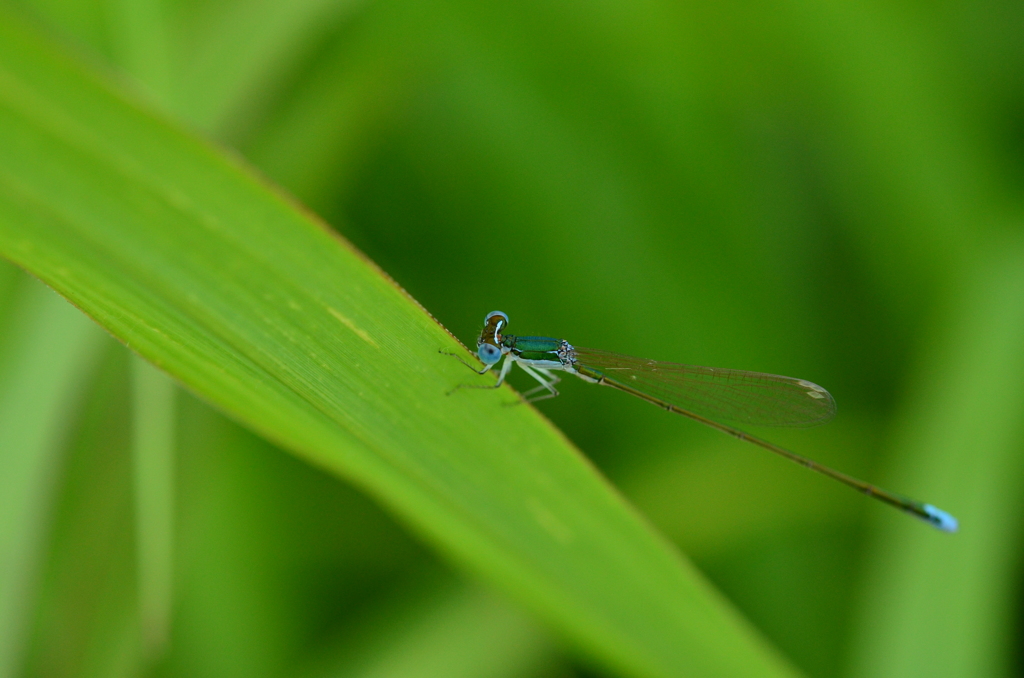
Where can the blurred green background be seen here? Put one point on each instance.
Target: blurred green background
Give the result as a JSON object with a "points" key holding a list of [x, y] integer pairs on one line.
{"points": [[831, 191]]}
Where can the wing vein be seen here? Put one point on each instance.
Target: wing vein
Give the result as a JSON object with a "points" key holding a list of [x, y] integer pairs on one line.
{"points": [[752, 398]]}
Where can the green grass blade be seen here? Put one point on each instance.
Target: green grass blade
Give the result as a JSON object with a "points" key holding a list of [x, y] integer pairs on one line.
{"points": [[86, 618], [153, 458], [141, 46], [48, 351], [934, 606], [446, 630], [231, 54], [205, 271]]}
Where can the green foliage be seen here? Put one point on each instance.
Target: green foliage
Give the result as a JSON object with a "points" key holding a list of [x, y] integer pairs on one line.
{"points": [[202, 270], [825, 190]]}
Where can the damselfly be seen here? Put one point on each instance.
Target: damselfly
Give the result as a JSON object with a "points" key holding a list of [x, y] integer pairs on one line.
{"points": [[705, 394]]}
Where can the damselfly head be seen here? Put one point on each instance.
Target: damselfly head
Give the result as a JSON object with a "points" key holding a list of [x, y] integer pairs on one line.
{"points": [[488, 345], [496, 314]]}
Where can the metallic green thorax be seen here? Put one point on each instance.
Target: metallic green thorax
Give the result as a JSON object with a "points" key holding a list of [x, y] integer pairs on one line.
{"points": [[539, 351]]}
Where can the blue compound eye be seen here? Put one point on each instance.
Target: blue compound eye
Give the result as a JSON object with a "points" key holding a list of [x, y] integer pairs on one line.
{"points": [[489, 353]]}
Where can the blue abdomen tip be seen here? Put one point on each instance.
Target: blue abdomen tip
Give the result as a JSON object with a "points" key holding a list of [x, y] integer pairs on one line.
{"points": [[941, 519]]}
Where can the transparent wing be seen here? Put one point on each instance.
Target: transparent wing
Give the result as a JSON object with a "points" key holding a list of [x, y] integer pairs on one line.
{"points": [[750, 398]]}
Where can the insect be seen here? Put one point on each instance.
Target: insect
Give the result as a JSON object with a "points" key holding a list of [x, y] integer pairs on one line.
{"points": [[706, 394]]}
